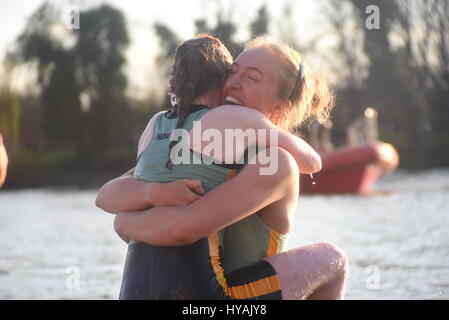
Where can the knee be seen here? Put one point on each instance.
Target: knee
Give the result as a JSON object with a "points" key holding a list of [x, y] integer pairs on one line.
{"points": [[339, 259]]}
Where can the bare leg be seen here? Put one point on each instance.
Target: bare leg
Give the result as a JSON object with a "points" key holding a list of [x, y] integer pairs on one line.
{"points": [[316, 271]]}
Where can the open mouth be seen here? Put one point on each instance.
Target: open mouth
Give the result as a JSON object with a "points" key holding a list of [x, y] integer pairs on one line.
{"points": [[232, 100]]}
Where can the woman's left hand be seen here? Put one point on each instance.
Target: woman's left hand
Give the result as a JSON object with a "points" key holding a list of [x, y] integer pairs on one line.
{"points": [[117, 226]]}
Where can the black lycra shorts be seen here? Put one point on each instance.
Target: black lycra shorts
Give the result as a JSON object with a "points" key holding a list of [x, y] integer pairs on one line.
{"points": [[193, 272]]}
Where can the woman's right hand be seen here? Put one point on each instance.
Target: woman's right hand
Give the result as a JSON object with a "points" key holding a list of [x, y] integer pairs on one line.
{"points": [[179, 193]]}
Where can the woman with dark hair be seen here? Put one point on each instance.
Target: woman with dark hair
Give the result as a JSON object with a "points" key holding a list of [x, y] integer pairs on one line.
{"points": [[184, 260]]}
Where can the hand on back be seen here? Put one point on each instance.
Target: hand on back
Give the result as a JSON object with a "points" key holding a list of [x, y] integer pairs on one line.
{"points": [[179, 193]]}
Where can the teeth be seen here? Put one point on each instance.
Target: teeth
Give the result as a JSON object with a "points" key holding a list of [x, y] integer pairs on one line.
{"points": [[233, 100]]}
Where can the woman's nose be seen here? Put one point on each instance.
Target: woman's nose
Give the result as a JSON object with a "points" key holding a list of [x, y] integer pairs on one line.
{"points": [[233, 82]]}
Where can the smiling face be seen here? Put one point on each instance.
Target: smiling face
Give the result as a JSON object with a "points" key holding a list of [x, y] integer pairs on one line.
{"points": [[254, 82]]}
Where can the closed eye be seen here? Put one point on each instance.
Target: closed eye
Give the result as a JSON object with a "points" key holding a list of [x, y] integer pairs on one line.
{"points": [[253, 79]]}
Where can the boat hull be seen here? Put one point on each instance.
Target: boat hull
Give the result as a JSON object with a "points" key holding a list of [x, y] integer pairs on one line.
{"points": [[351, 170]]}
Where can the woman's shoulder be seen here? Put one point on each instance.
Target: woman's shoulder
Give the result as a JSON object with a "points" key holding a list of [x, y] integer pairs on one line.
{"points": [[233, 116], [231, 108], [147, 134]]}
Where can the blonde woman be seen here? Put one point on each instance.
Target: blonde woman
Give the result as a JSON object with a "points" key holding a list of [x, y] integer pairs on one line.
{"points": [[183, 243]]}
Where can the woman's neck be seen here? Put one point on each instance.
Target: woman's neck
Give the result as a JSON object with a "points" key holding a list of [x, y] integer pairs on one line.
{"points": [[211, 98]]}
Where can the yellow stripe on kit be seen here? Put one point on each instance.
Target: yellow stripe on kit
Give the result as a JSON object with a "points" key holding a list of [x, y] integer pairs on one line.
{"points": [[215, 260], [214, 251], [273, 243], [231, 174], [255, 289], [250, 290]]}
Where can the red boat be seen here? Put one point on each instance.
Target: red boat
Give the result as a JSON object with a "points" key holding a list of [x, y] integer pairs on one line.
{"points": [[351, 169]]}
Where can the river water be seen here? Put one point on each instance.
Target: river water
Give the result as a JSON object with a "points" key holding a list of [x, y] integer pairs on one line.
{"points": [[55, 244]]}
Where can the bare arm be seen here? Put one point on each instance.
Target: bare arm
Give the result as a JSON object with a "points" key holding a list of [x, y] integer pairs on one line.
{"points": [[222, 206], [237, 117], [126, 193]]}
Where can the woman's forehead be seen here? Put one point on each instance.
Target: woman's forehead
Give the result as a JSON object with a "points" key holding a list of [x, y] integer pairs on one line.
{"points": [[259, 58]]}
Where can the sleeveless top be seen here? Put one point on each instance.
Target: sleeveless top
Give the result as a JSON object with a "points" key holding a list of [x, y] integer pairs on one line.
{"points": [[244, 242]]}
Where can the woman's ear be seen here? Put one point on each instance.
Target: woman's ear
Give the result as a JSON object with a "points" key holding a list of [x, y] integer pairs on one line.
{"points": [[286, 105], [280, 110]]}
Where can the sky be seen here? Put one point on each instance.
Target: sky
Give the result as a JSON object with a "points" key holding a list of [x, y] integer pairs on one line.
{"points": [[141, 15]]}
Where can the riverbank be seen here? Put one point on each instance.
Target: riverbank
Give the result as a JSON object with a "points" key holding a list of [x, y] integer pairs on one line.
{"points": [[59, 168]]}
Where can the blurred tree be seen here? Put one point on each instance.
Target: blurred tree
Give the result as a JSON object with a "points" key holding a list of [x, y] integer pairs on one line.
{"points": [[349, 36], [428, 58], [10, 109], [402, 109], [259, 26], [224, 30], [56, 77], [82, 83], [102, 39], [401, 72], [287, 30], [168, 41]]}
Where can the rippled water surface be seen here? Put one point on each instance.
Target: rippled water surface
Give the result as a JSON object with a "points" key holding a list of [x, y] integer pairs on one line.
{"points": [[55, 244]]}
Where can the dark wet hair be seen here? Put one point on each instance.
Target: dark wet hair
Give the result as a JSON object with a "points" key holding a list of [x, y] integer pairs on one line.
{"points": [[200, 64]]}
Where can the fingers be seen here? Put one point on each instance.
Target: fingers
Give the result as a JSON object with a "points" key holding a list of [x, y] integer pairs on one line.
{"points": [[193, 198], [123, 238], [188, 199], [182, 193], [194, 185], [117, 228]]}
